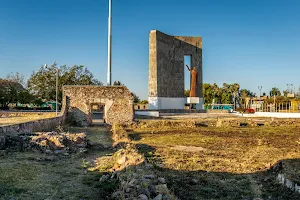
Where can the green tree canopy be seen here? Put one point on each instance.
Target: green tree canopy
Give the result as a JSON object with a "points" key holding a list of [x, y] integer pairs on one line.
{"points": [[226, 94], [275, 92], [136, 99], [243, 95], [16, 78], [186, 93], [144, 102], [13, 92], [43, 82], [117, 83]]}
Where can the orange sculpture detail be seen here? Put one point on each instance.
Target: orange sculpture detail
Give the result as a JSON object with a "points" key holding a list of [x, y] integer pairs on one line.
{"points": [[194, 75]]}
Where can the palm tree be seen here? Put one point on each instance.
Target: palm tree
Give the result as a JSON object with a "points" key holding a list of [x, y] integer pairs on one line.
{"points": [[275, 92]]}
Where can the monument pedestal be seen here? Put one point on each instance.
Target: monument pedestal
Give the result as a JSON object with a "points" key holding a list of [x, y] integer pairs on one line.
{"points": [[164, 103], [196, 101], [193, 100]]}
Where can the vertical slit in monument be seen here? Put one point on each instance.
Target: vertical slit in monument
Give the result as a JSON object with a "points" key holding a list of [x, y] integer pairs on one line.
{"points": [[187, 77]]}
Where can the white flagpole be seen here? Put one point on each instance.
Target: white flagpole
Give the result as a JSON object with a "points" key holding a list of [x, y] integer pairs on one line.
{"points": [[109, 45]]}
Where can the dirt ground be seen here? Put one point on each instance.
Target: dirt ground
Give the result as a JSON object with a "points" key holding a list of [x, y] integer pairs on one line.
{"points": [[223, 163], [198, 163], [33, 175]]}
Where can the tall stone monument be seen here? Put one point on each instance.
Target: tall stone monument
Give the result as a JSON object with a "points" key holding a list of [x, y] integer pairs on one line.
{"points": [[166, 70]]}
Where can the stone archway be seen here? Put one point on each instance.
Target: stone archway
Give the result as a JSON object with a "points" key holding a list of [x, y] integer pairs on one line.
{"points": [[117, 102]]}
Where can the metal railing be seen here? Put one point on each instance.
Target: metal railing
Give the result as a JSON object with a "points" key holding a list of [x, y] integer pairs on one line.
{"points": [[287, 107]]}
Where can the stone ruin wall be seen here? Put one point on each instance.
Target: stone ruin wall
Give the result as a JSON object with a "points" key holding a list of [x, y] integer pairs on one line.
{"points": [[118, 103]]}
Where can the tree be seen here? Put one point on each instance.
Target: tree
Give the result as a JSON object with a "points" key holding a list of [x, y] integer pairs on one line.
{"points": [[43, 82], [38, 102], [285, 92], [244, 97], [136, 99], [144, 102], [226, 98], [226, 94], [13, 92], [210, 92], [16, 78], [25, 97], [275, 92], [186, 93], [117, 83]]}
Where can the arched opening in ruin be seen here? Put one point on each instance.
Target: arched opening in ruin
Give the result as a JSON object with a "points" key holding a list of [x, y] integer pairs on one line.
{"points": [[98, 113]]}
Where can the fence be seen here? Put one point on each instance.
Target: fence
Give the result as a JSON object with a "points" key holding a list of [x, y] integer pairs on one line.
{"points": [[287, 107]]}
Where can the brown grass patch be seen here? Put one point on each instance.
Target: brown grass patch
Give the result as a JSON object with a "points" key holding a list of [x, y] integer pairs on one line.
{"points": [[21, 119], [238, 159]]}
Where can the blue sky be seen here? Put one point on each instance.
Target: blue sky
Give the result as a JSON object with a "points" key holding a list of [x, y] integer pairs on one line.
{"points": [[252, 43]]}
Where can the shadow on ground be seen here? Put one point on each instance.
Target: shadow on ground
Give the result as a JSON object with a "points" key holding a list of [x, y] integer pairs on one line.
{"points": [[212, 185], [30, 175], [34, 175]]}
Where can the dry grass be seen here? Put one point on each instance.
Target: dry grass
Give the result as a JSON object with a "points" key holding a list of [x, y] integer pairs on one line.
{"points": [[232, 163], [22, 119], [28, 175], [240, 150]]}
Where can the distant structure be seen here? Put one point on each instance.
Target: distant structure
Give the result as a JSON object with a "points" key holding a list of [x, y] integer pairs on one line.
{"points": [[166, 71]]}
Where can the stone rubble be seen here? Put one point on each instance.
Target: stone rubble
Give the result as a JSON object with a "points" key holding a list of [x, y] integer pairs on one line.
{"points": [[49, 142], [141, 184], [136, 176]]}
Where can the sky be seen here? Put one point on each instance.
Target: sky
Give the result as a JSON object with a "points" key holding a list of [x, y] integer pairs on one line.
{"points": [[250, 42]]}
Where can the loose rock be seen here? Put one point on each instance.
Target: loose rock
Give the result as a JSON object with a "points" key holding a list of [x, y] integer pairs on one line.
{"points": [[149, 176], [58, 151], [161, 180], [158, 197], [142, 197], [128, 190], [152, 190], [82, 150], [104, 178], [2, 142], [194, 181], [132, 182], [122, 160], [145, 192], [116, 194], [162, 189], [166, 197]]}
